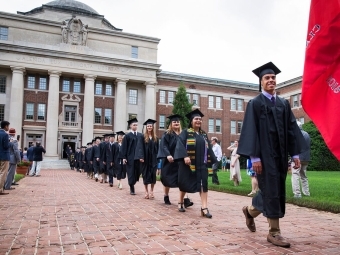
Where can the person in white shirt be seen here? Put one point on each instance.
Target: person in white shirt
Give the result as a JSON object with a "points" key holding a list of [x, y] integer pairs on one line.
{"points": [[218, 153]]}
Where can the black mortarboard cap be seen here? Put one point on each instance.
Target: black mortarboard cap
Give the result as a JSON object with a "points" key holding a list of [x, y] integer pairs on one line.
{"points": [[194, 113], [83, 147], [120, 133], [111, 135], [106, 135], [149, 121], [132, 121], [98, 137], [174, 117], [268, 68], [89, 143]]}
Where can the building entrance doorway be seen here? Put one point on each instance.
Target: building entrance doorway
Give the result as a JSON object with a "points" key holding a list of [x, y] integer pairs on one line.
{"points": [[71, 144]]}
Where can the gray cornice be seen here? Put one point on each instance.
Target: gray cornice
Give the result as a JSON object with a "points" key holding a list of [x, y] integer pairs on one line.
{"points": [[85, 57], [289, 82], [117, 33], [205, 80]]}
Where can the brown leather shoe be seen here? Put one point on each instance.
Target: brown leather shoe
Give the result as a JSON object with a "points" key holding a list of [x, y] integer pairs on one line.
{"points": [[249, 220], [278, 240]]}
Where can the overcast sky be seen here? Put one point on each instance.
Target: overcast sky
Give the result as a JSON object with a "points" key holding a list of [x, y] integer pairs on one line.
{"points": [[224, 39]]}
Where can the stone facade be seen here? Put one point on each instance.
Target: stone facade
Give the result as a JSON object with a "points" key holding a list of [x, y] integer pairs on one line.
{"points": [[70, 75]]}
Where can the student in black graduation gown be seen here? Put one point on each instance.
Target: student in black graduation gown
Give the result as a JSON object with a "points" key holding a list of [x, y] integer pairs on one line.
{"points": [[76, 159], [166, 151], [269, 134], [72, 159], [88, 159], [120, 168], [102, 161], [194, 155], [146, 153], [128, 154], [111, 150], [81, 158], [96, 157]]}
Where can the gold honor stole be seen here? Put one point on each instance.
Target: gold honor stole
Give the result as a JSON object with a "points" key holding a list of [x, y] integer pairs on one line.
{"points": [[191, 150]]}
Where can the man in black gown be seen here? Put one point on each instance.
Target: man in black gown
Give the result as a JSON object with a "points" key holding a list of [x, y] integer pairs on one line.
{"points": [[96, 157], [111, 150], [128, 154], [102, 163], [268, 135]]}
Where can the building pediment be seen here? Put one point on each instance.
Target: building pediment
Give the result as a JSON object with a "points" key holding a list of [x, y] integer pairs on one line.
{"points": [[71, 98], [74, 32]]}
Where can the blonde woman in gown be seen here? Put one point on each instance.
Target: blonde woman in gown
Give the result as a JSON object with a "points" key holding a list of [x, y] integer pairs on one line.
{"points": [[235, 173]]}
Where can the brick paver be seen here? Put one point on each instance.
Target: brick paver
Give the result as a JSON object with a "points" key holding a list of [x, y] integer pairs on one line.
{"points": [[63, 212]]}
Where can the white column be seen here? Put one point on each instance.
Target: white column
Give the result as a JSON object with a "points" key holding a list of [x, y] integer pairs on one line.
{"points": [[88, 112], [120, 106], [17, 99], [150, 100], [52, 116]]}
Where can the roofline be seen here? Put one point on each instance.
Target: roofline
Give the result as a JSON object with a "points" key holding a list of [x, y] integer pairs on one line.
{"points": [[205, 80], [92, 29], [72, 11], [289, 82]]}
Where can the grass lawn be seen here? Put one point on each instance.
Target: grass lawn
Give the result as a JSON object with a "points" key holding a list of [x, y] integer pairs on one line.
{"points": [[17, 177], [324, 189]]}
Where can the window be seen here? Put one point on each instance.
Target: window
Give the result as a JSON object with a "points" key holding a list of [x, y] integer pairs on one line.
{"points": [[99, 89], [134, 51], [2, 112], [211, 126], [161, 121], [108, 116], [66, 85], [133, 96], [43, 83], [236, 104], [41, 111], [233, 127], [162, 96], [2, 84], [108, 89], [302, 120], [70, 113], [170, 97], [218, 102], [31, 82], [76, 86], [218, 126], [239, 127], [189, 97], [98, 115], [295, 100], [29, 111], [211, 102], [195, 99], [3, 33]]}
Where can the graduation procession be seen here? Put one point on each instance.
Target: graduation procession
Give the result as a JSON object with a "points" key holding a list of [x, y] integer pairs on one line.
{"points": [[184, 157]]}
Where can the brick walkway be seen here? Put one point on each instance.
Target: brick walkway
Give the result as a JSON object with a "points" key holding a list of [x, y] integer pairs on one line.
{"points": [[63, 212]]}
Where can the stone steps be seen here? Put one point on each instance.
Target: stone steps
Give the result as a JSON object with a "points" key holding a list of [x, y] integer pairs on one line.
{"points": [[55, 164]]}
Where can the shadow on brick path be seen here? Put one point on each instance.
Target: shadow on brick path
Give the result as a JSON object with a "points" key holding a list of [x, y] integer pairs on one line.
{"points": [[63, 212]]}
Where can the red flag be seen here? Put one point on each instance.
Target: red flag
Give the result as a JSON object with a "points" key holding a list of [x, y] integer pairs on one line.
{"points": [[321, 76]]}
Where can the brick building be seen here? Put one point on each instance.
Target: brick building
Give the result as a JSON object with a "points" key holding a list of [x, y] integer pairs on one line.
{"points": [[67, 75]]}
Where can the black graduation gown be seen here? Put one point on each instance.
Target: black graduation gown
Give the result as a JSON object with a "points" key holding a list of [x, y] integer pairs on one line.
{"points": [[120, 168], [88, 158], [102, 158], [95, 155], [110, 151], [128, 152], [189, 181], [169, 173], [270, 133], [148, 152]]}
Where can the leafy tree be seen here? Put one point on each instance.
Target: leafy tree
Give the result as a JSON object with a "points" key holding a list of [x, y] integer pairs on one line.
{"points": [[182, 106], [321, 157]]}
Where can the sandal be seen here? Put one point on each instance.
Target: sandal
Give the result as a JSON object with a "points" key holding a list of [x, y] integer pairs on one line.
{"points": [[151, 194], [146, 195]]}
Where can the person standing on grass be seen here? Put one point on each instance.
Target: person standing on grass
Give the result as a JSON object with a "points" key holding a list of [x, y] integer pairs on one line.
{"points": [[218, 154], [38, 151], [300, 173], [4, 154], [224, 162], [269, 134], [235, 171]]}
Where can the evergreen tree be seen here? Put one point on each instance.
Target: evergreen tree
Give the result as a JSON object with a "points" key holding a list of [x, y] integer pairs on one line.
{"points": [[182, 106], [321, 157]]}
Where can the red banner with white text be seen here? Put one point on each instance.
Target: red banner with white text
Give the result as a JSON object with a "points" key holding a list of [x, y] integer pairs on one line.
{"points": [[321, 76]]}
